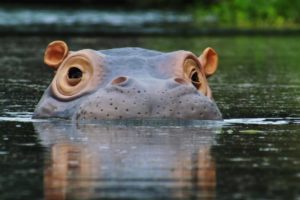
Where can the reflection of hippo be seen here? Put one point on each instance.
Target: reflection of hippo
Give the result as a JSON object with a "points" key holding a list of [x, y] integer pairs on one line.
{"points": [[128, 83], [88, 161]]}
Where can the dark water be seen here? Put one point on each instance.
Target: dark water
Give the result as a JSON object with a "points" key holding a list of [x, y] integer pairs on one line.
{"points": [[253, 154]]}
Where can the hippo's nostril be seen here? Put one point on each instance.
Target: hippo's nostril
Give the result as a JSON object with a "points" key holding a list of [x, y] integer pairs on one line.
{"points": [[180, 81], [120, 80]]}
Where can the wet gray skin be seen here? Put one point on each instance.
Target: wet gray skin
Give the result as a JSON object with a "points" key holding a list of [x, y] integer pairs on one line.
{"points": [[128, 83]]}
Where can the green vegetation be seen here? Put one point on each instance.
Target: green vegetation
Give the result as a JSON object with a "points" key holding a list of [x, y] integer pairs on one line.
{"points": [[248, 13]]}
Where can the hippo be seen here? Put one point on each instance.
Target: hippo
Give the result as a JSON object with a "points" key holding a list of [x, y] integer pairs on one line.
{"points": [[128, 83]]}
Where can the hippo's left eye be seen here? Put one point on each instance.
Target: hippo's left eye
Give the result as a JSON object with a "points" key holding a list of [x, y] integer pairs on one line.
{"points": [[191, 70], [74, 75], [194, 76]]}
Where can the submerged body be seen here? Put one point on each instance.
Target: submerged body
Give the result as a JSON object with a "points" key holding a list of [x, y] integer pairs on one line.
{"points": [[128, 83]]}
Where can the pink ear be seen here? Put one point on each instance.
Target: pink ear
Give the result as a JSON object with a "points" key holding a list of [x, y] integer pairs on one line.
{"points": [[55, 53], [209, 61]]}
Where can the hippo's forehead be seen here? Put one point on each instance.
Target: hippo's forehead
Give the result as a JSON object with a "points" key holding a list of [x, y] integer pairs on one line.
{"points": [[138, 62], [131, 51]]}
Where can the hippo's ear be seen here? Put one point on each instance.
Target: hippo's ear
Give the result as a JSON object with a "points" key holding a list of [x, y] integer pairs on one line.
{"points": [[55, 53], [209, 61]]}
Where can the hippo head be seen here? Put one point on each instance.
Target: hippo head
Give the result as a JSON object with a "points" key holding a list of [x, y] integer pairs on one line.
{"points": [[128, 83]]}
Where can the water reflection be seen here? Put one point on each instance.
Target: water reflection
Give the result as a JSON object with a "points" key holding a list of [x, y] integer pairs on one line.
{"points": [[91, 161]]}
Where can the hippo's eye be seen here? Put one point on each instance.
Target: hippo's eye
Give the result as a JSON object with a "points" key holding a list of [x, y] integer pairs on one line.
{"points": [[192, 72], [195, 78], [74, 76], [74, 73]]}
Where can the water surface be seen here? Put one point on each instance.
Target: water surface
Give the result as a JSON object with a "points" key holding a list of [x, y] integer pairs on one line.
{"points": [[83, 20]]}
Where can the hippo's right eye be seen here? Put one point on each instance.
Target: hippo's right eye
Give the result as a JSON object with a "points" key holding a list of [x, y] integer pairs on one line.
{"points": [[74, 75], [74, 78]]}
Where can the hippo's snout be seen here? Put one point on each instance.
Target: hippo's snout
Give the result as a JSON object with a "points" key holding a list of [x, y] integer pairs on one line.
{"points": [[126, 97]]}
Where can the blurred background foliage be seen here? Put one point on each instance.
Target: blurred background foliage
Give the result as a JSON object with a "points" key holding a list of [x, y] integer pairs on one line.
{"points": [[211, 13], [249, 13]]}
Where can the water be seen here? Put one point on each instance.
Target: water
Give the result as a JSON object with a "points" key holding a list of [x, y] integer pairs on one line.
{"points": [[56, 16], [252, 154], [70, 20]]}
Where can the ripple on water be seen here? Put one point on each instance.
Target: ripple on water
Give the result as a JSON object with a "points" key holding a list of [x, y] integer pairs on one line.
{"points": [[27, 117], [262, 121], [3, 153], [17, 117]]}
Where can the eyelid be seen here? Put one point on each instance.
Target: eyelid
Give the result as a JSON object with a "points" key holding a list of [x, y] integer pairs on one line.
{"points": [[190, 65], [63, 88], [192, 68]]}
